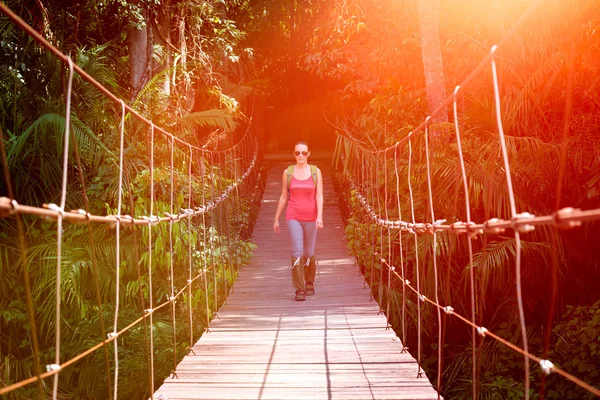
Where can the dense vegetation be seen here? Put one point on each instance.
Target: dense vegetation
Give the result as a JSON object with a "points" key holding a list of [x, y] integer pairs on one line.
{"points": [[191, 84], [302, 69], [550, 61]]}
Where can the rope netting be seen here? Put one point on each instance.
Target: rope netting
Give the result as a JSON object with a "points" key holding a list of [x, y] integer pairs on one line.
{"points": [[380, 186], [179, 229]]}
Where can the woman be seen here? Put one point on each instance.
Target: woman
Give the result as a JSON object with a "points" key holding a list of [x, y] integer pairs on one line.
{"points": [[302, 190]]}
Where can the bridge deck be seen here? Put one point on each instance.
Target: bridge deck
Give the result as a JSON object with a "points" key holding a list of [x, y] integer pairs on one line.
{"points": [[265, 345]]}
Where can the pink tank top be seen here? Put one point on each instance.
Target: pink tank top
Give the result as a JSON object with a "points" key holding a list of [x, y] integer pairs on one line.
{"points": [[302, 204]]}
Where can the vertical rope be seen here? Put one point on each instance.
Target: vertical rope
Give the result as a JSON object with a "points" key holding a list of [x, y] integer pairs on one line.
{"points": [[364, 234], [404, 348], [171, 273], [118, 250], [59, 229], [389, 237], [189, 206], [231, 243], [513, 212], [379, 212], [412, 211], [220, 231], [470, 240], [210, 241], [435, 271], [371, 233], [237, 213], [150, 249], [224, 230], [136, 262], [204, 246], [359, 216], [94, 269]]}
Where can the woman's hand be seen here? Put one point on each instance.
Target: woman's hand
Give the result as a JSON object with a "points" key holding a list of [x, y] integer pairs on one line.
{"points": [[319, 222], [276, 226]]}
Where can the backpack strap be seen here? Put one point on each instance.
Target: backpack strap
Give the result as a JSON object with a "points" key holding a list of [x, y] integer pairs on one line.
{"points": [[290, 173], [313, 172]]}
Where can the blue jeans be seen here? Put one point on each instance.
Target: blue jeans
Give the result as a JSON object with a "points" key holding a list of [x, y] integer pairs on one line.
{"points": [[303, 235]]}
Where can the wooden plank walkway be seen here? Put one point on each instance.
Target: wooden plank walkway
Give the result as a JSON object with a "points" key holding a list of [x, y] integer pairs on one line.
{"points": [[265, 345]]}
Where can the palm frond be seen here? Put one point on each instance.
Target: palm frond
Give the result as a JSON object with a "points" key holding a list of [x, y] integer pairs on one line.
{"points": [[214, 118]]}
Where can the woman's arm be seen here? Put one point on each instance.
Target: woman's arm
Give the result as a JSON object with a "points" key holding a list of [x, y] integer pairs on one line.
{"points": [[282, 201], [319, 198]]}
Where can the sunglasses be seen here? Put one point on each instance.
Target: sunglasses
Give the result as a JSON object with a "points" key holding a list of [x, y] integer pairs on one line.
{"points": [[304, 153]]}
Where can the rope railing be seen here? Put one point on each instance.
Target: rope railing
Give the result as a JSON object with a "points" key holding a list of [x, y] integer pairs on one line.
{"points": [[355, 163], [225, 177], [566, 218], [359, 165], [15, 209]]}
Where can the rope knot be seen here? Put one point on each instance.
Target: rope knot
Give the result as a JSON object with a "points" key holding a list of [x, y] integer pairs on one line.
{"points": [[489, 226], [88, 216], [56, 208], [546, 366], [112, 335], [129, 218], [523, 228], [7, 207], [53, 367], [561, 218]]}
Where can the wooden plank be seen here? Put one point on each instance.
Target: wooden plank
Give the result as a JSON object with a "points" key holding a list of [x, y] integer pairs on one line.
{"points": [[265, 345]]}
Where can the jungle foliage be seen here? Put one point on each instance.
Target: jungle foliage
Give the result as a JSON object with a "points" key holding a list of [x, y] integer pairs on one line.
{"points": [[551, 60], [351, 66], [197, 85]]}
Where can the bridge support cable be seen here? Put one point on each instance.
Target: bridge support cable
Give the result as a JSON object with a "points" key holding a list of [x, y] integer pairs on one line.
{"points": [[114, 334], [150, 310], [205, 245], [513, 212], [59, 234], [428, 156], [190, 161], [401, 252], [364, 171], [222, 214], [389, 245], [379, 210], [469, 243], [370, 187], [416, 261], [171, 273], [211, 241], [94, 263]]}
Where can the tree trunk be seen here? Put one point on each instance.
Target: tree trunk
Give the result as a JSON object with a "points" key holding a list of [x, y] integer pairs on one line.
{"points": [[138, 55], [163, 31], [429, 23]]}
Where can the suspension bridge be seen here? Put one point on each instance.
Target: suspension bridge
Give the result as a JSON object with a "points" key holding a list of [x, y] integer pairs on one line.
{"points": [[265, 345], [191, 233]]}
